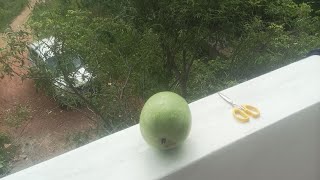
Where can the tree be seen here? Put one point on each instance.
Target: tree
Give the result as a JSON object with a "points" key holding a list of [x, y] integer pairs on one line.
{"points": [[260, 36], [205, 30], [181, 26], [186, 31], [313, 3], [123, 62], [145, 46]]}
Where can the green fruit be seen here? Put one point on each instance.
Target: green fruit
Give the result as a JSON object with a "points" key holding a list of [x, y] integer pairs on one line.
{"points": [[165, 120]]}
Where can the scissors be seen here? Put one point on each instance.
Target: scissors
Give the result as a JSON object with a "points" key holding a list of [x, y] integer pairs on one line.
{"points": [[241, 112]]}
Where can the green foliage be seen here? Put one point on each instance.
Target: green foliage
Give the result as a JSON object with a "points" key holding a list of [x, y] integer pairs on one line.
{"points": [[136, 48], [271, 34], [6, 154], [253, 37], [209, 77], [314, 4], [182, 26], [9, 10], [14, 117], [270, 45], [125, 65]]}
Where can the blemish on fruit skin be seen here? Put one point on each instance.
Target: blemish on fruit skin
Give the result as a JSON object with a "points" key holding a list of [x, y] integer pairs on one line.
{"points": [[163, 140]]}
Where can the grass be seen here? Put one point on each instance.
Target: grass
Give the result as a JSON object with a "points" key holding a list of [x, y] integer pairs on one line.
{"points": [[9, 9], [6, 154], [16, 116], [79, 139]]}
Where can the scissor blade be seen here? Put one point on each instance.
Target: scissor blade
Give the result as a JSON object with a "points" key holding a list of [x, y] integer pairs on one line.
{"points": [[228, 100]]}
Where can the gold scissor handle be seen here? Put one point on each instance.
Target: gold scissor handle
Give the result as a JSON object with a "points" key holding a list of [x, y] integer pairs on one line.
{"points": [[251, 110], [242, 114]]}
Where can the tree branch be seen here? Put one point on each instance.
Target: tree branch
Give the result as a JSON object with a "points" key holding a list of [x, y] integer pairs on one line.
{"points": [[184, 62], [189, 65], [126, 82]]}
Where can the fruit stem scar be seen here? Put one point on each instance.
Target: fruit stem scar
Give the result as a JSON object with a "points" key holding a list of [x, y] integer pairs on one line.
{"points": [[163, 140]]}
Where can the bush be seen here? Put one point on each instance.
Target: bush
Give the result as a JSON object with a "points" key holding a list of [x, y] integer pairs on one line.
{"points": [[207, 78], [6, 154], [9, 10]]}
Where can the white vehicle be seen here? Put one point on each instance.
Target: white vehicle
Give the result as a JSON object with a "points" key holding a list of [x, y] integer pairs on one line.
{"points": [[42, 51]]}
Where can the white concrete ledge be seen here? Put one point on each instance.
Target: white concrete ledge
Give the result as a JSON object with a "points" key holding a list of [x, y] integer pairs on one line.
{"points": [[282, 144]]}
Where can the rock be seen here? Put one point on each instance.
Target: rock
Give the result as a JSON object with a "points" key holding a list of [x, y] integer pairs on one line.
{"points": [[23, 156], [15, 159], [6, 146]]}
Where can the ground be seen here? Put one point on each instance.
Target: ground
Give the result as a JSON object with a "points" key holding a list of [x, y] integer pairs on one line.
{"points": [[46, 130]]}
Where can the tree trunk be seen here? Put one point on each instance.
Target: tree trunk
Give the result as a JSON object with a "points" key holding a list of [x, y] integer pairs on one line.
{"points": [[183, 86], [184, 74]]}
